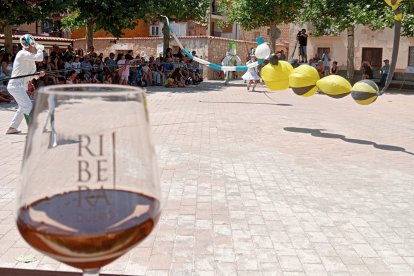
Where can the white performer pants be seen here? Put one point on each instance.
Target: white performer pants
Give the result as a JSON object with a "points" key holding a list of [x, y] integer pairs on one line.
{"points": [[24, 103]]}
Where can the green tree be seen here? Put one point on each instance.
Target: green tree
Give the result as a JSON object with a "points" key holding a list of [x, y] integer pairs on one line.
{"points": [[16, 12], [330, 17], [110, 15], [252, 14], [177, 10], [115, 15], [407, 8]]}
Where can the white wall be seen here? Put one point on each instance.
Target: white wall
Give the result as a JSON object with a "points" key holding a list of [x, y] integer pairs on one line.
{"points": [[364, 37]]}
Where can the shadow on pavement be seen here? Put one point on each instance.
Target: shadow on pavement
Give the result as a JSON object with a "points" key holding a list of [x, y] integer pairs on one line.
{"points": [[203, 87], [8, 106], [319, 133]]}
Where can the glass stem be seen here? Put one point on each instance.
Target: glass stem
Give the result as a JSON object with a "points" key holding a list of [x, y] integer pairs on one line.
{"points": [[91, 272]]}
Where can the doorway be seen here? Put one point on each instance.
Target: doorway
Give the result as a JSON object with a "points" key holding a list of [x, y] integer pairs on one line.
{"points": [[373, 56]]}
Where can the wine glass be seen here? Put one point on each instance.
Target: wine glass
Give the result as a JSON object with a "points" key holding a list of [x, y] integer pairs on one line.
{"points": [[90, 188]]}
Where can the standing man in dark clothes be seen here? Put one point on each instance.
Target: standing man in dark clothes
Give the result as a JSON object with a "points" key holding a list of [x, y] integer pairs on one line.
{"points": [[302, 38], [129, 56]]}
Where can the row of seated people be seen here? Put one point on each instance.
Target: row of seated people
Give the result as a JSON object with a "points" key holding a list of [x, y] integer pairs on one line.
{"points": [[172, 72]]}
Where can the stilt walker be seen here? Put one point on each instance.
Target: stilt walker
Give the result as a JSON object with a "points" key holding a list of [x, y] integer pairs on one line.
{"points": [[24, 64]]}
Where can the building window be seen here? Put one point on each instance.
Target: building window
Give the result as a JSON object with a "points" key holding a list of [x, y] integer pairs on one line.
{"points": [[322, 50], [411, 56], [155, 30]]}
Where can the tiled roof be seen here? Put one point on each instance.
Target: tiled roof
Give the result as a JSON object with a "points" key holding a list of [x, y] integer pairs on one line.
{"points": [[43, 38], [160, 37]]}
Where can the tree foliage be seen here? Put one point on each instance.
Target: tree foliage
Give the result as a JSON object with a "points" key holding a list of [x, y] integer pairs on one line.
{"points": [[110, 15], [15, 12], [333, 17], [407, 7], [252, 14], [177, 10]]}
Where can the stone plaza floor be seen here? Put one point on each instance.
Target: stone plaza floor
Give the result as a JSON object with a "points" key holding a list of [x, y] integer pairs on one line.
{"points": [[254, 186]]}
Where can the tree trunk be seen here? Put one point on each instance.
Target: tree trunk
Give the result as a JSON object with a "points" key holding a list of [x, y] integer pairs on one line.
{"points": [[8, 39], [273, 37], [89, 35], [166, 37], [351, 54]]}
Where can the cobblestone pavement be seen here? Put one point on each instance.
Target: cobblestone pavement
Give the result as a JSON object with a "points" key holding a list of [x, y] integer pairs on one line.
{"points": [[293, 186]]}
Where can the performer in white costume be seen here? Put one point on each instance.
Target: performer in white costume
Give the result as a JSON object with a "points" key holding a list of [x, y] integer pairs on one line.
{"points": [[251, 76], [24, 64], [231, 59]]}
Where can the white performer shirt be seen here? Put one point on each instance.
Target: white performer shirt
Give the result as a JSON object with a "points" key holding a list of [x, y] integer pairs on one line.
{"points": [[24, 64], [252, 73]]}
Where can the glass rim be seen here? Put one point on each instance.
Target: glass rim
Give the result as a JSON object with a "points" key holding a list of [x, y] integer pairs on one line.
{"points": [[90, 89]]}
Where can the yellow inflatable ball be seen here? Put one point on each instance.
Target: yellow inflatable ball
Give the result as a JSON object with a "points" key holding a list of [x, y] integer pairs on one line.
{"points": [[395, 5], [303, 80], [334, 86], [365, 92], [276, 77]]}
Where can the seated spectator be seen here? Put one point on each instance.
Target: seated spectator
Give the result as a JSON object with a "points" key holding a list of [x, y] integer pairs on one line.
{"points": [[177, 63], [366, 70], [5, 65], [71, 78], [334, 68], [69, 53], [52, 66], [158, 69], [168, 53], [147, 73], [98, 68], [194, 72], [83, 78], [313, 63], [282, 55], [94, 78], [79, 52], [168, 66], [316, 58], [76, 65], [169, 82], [68, 65], [91, 50], [178, 77], [86, 66], [179, 54], [320, 68], [108, 79]]}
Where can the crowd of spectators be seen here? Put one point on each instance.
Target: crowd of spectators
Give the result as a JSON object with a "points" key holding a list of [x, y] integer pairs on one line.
{"points": [[69, 66]]}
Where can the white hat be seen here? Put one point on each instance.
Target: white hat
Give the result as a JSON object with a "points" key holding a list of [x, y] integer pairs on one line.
{"points": [[27, 40]]}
